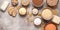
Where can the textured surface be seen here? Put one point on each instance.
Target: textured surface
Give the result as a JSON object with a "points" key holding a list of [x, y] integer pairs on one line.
{"points": [[8, 22]]}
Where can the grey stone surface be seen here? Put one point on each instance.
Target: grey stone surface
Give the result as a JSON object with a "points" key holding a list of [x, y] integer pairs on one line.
{"points": [[8, 22]]}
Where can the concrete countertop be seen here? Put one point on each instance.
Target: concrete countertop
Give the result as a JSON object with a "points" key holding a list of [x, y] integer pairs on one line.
{"points": [[8, 22]]}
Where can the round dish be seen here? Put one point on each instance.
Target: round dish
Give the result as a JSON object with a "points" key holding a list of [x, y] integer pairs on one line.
{"points": [[52, 2], [35, 11], [37, 21], [12, 11], [50, 26], [47, 14], [38, 3], [25, 2], [22, 11], [14, 2]]}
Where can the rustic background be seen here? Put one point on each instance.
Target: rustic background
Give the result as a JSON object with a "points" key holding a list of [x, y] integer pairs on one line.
{"points": [[8, 22]]}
